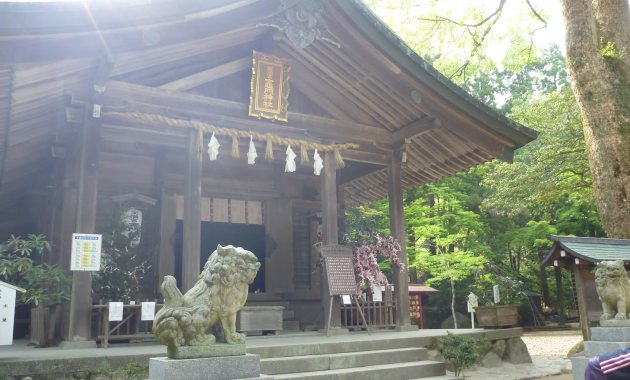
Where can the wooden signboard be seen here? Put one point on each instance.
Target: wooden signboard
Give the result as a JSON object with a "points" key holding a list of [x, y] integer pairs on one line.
{"points": [[269, 88], [340, 273]]}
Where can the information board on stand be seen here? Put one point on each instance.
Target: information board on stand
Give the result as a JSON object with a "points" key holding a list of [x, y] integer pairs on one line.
{"points": [[340, 275]]}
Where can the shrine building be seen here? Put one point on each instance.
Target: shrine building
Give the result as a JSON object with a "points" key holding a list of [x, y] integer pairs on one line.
{"points": [[158, 106]]}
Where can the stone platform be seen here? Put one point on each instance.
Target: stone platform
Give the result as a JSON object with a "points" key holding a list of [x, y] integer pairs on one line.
{"points": [[603, 340], [218, 368], [209, 351]]}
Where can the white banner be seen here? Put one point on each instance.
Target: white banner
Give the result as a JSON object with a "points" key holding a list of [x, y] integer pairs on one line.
{"points": [[115, 311], [346, 299], [148, 311], [377, 294]]}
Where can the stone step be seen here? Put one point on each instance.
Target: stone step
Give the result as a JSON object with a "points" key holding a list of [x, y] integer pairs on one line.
{"points": [[398, 371], [445, 377], [290, 325], [578, 365], [610, 334], [597, 348], [309, 363], [335, 347]]}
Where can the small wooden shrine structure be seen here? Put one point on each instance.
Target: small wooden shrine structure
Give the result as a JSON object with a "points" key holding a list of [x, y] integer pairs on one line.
{"points": [[108, 104], [580, 255]]}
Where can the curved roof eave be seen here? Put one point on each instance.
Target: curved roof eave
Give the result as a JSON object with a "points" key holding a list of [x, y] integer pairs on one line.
{"points": [[392, 46]]}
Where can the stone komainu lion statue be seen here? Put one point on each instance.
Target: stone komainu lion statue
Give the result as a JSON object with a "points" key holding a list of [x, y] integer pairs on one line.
{"points": [[612, 287], [220, 292]]}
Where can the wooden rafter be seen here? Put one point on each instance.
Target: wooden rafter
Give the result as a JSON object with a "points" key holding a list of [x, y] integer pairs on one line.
{"points": [[209, 75]]}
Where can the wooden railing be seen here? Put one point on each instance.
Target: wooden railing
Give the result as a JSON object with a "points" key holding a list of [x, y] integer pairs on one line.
{"points": [[378, 315], [130, 328]]}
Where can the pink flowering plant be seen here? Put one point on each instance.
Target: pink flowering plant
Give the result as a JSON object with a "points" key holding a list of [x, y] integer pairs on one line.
{"points": [[371, 255]]}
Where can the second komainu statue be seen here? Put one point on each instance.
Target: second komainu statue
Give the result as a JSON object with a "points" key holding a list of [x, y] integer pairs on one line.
{"points": [[219, 293], [611, 283]]}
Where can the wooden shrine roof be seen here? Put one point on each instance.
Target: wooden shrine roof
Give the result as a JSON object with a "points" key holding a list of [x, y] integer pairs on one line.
{"points": [[592, 250], [356, 83]]}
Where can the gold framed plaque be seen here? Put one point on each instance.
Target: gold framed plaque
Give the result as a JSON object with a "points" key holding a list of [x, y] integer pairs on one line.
{"points": [[270, 87]]}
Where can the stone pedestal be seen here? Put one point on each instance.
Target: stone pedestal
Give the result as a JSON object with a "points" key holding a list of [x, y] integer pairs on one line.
{"points": [[217, 368], [604, 339], [260, 319]]}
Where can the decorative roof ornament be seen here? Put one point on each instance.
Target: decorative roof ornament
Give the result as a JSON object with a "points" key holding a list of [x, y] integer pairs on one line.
{"points": [[301, 23]]}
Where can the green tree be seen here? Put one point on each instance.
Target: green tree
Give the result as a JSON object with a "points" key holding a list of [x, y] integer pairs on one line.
{"points": [[22, 263], [445, 236], [598, 42]]}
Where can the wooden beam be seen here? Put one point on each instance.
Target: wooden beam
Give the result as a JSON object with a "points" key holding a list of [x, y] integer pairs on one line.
{"points": [[413, 129], [209, 75], [121, 94], [366, 157], [142, 59]]}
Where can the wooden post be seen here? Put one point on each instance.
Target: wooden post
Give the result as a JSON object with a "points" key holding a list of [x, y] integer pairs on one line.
{"points": [[332, 307], [166, 261], [559, 295], [329, 201], [397, 230], [81, 297], [191, 252], [69, 202], [582, 307]]}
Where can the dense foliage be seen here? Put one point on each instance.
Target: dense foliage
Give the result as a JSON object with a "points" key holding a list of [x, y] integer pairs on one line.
{"points": [[22, 263], [490, 225], [122, 271]]}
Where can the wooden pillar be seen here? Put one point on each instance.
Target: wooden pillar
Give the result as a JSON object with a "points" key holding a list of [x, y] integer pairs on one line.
{"points": [[69, 203], [87, 190], [559, 295], [397, 230], [191, 252], [330, 235], [166, 261], [582, 307], [330, 226]]}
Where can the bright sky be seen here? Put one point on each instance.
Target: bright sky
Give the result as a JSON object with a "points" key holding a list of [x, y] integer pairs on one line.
{"points": [[515, 15], [513, 9]]}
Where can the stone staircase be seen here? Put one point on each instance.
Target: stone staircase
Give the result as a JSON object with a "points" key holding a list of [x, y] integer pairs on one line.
{"points": [[377, 359], [603, 339]]}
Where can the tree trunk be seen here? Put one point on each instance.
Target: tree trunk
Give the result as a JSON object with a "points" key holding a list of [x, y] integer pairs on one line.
{"points": [[453, 304], [598, 61], [544, 284]]}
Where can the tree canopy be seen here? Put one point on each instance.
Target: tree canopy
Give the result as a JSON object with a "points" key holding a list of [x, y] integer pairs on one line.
{"points": [[489, 225]]}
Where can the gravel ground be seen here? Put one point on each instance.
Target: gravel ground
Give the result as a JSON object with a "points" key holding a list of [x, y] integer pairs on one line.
{"points": [[551, 343]]}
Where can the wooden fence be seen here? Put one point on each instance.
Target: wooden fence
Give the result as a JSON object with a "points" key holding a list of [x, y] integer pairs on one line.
{"points": [[131, 328], [378, 315]]}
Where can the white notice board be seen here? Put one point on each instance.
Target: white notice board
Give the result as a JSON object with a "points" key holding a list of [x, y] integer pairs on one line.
{"points": [[147, 311], [86, 252], [7, 314], [115, 311]]}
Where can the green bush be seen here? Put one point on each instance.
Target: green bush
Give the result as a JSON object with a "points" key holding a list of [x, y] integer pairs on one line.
{"points": [[460, 352], [22, 264]]}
